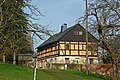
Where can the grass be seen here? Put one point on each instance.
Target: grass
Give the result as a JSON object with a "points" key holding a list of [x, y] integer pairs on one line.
{"points": [[13, 72]]}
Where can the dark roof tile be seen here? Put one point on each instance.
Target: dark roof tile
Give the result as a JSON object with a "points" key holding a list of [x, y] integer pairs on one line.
{"points": [[58, 36]]}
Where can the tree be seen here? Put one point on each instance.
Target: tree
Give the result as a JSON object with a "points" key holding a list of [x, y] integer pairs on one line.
{"points": [[15, 25], [13, 20], [104, 19]]}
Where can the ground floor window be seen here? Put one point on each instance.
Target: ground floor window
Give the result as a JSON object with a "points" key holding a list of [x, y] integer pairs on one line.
{"points": [[67, 60], [91, 61]]}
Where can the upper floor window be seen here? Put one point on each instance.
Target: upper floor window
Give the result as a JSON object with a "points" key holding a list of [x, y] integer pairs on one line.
{"points": [[67, 46], [80, 32], [77, 32]]}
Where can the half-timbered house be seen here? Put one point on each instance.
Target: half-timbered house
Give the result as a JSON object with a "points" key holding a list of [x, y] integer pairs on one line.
{"points": [[68, 46]]}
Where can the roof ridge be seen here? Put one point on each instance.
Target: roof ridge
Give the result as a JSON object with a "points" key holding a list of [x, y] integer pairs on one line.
{"points": [[59, 35], [56, 36]]}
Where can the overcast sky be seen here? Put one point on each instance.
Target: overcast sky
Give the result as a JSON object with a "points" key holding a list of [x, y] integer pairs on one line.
{"points": [[58, 12]]}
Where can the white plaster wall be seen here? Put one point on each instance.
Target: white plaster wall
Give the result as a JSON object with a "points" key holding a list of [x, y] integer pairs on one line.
{"points": [[61, 59], [81, 60]]}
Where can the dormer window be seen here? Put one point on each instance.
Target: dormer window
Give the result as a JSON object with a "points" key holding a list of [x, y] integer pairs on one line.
{"points": [[77, 32]]}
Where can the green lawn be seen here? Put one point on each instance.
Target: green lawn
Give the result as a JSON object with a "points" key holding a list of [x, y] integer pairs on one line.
{"points": [[12, 72]]}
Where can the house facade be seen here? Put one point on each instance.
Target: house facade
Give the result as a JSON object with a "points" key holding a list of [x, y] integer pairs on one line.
{"points": [[68, 46]]}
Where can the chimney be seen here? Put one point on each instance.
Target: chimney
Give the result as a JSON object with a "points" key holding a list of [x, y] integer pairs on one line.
{"points": [[63, 27]]}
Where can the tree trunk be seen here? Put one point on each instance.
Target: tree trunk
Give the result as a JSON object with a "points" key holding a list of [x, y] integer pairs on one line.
{"points": [[3, 58], [14, 58], [115, 75]]}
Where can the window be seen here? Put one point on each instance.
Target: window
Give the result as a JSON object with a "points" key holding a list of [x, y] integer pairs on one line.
{"points": [[67, 46], [62, 46], [80, 32], [90, 47], [77, 32], [84, 47], [73, 46], [62, 52], [80, 47], [67, 52], [67, 60], [91, 61], [76, 47], [74, 52], [82, 52]]}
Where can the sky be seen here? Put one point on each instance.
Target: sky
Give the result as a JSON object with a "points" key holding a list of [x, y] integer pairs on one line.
{"points": [[58, 12]]}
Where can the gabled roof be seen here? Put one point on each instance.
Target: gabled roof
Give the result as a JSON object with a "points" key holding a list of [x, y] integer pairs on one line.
{"points": [[59, 35], [55, 37]]}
